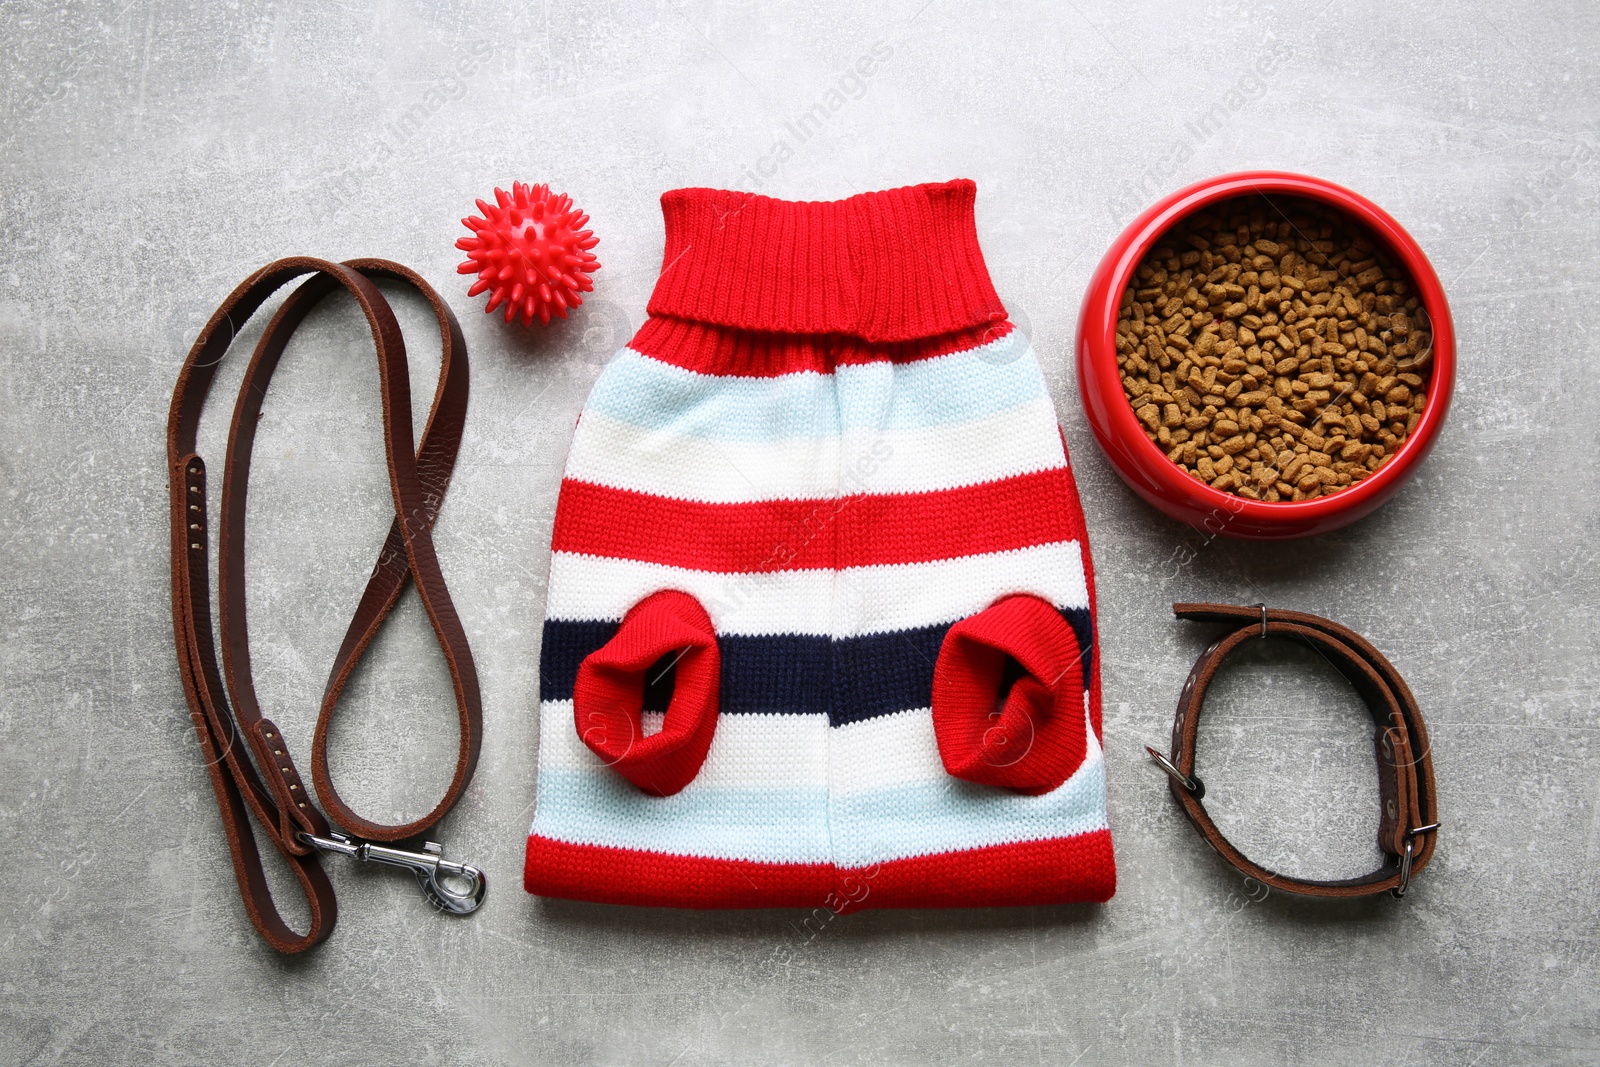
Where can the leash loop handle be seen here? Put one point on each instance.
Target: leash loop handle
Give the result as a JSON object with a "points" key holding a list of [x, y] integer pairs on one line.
{"points": [[251, 770]]}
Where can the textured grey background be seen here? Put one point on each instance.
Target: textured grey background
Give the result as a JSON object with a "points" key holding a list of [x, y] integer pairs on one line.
{"points": [[155, 153]]}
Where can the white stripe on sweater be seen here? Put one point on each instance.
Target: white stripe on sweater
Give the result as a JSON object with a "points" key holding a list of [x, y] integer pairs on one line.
{"points": [[846, 603], [747, 751], [784, 751], [668, 463]]}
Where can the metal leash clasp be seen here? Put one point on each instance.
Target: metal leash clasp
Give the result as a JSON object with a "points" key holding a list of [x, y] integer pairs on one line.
{"points": [[431, 868]]}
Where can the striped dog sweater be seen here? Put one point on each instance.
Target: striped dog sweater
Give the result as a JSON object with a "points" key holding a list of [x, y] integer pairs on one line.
{"points": [[820, 627]]}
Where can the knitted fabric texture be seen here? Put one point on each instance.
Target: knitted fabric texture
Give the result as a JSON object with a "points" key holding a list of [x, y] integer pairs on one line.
{"points": [[820, 628]]}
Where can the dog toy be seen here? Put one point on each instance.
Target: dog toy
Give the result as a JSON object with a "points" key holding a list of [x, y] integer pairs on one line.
{"points": [[530, 253]]}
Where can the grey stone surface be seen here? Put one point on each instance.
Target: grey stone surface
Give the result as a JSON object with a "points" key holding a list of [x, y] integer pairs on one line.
{"points": [[155, 153]]}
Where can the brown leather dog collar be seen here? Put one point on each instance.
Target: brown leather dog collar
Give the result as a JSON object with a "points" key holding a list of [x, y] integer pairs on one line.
{"points": [[1408, 826], [258, 777]]}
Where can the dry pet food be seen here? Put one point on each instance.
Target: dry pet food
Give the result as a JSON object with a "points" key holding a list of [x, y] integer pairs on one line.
{"points": [[1272, 350]]}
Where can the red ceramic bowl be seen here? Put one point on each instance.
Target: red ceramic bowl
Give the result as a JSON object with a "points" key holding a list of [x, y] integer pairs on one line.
{"points": [[1163, 483]]}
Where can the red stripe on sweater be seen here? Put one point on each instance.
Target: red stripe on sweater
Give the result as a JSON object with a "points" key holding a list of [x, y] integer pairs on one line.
{"points": [[851, 531], [1063, 870], [708, 349], [1059, 870]]}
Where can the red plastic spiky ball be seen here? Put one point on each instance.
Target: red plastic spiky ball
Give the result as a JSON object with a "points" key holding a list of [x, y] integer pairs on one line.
{"points": [[530, 253]]}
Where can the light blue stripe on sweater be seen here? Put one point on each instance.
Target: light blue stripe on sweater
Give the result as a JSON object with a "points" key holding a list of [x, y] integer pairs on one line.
{"points": [[951, 815], [598, 807], [967, 385]]}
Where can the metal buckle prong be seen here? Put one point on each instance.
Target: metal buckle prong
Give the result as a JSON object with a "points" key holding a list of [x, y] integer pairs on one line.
{"points": [[1193, 784], [1399, 891], [430, 867]]}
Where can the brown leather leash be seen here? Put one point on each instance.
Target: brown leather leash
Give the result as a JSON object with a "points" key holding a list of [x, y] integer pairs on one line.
{"points": [[1408, 827], [258, 777]]}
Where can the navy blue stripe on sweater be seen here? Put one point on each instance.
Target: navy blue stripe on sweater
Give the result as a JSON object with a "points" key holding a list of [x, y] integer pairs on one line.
{"points": [[849, 679]]}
